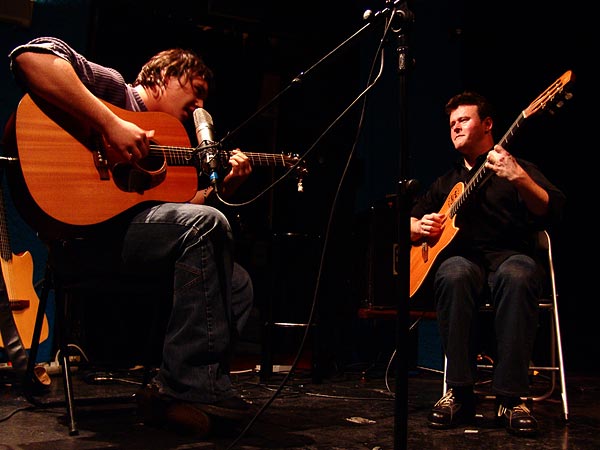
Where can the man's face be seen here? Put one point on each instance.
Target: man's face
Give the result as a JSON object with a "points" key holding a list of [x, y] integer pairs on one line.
{"points": [[466, 128], [181, 100]]}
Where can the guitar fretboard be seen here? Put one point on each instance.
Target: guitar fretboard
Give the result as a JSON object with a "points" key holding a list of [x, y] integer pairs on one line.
{"points": [[271, 159], [185, 156], [5, 250]]}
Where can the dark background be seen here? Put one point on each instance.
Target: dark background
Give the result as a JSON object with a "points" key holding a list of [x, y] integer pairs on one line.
{"points": [[509, 51]]}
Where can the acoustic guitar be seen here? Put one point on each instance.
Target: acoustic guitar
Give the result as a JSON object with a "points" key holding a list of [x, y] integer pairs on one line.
{"points": [[17, 273], [424, 253], [66, 178]]}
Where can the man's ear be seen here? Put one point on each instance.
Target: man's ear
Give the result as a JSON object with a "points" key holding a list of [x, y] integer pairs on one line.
{"points": [[488, 123]]}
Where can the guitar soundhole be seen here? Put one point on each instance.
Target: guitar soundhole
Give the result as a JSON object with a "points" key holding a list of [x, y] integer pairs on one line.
{"points": [[140, 176], [151, 163]]}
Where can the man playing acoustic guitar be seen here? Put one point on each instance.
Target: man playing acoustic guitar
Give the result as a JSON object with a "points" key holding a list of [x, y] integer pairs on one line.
{"points": [[491, 258], [190, 240]]}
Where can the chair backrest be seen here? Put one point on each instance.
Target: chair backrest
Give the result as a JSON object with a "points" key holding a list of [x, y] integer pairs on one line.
{"points": [[544, 246]]}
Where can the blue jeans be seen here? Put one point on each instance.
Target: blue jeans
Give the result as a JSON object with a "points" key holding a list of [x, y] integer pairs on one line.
{"points": [[212, 296], [460, 287]]}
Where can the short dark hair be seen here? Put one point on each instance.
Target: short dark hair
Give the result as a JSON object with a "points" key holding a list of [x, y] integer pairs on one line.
{"points": [[176, 62], [484, 107]]}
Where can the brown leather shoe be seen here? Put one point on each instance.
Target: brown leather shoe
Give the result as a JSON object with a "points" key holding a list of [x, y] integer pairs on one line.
{"points": [[188, 419], [158, 410]]}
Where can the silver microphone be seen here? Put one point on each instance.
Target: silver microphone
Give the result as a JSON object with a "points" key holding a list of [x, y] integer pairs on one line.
{"points": [[205, 134], [204, 127]]}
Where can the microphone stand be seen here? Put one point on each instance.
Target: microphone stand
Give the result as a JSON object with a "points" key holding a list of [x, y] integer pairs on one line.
{"points": [[299, 78], [402, 264], [405, 190]]}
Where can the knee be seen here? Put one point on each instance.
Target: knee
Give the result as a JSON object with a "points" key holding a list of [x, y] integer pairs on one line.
{"points": [[455, 272], [204, 220], [519, 270], [216, 218]]}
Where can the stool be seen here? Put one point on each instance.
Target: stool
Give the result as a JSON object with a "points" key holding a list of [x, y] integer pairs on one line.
{"points": [[294, 265]]}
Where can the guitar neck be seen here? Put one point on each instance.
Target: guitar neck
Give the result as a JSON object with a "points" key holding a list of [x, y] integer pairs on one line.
{"points": [[482, 174], [5, 250], [270, 159], [186, 156], [174, 156], [512, 131]]}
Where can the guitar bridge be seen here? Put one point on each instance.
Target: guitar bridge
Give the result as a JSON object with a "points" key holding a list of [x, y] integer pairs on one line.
{"points": [[100, 160], [424, 251]]}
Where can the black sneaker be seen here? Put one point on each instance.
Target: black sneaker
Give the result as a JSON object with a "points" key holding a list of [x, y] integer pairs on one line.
{"points": [[517, 419], [450, 411]]}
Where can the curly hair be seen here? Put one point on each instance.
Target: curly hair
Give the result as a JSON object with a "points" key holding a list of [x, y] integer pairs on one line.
{"points": [[176, 62]]}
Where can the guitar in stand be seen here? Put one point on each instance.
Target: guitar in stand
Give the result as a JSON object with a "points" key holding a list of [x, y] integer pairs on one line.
{"points": [[18, 305]]}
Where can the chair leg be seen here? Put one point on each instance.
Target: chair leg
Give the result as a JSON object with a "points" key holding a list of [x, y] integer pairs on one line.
{"points": [[556, 362], [266, 354], [563, 384], [30, 385], [444, 385], [61, 321]]}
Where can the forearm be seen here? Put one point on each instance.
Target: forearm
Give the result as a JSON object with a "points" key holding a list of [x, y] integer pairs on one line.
{"points": [[203, 196], [208, 195], [535, 197], [54, 80]]}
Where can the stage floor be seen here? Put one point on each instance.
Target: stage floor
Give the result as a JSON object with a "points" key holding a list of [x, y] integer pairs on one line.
{"points": [[353, 410]]}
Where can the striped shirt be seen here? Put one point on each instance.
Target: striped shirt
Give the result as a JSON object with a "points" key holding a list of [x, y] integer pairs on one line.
{"points": [[104, 82]]}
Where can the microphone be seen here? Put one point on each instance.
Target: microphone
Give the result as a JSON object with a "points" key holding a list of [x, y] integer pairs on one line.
{"points": [[205, 133], [204, 127]]}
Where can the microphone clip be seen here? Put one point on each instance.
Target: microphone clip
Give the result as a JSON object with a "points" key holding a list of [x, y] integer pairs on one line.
{"points": [[215, 163]]}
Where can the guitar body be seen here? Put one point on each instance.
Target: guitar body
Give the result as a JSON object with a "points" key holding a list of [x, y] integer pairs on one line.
{"points": [[65, 179], [424, 254], [18, 280]]}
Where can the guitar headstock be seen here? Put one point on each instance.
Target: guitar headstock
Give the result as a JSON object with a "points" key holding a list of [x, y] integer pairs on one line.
{"points": [[291, 160], [553, 97]]}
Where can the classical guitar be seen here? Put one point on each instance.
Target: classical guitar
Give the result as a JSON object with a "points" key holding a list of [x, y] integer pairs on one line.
{"points": [[424, 253], [66, 176], [17, 274]]}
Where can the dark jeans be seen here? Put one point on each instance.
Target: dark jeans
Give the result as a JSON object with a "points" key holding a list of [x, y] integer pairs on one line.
{"points": [[460, 287], [212, 296]]}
